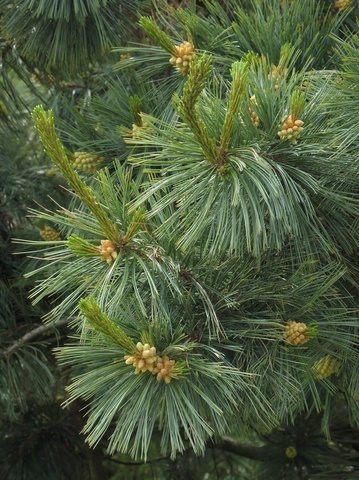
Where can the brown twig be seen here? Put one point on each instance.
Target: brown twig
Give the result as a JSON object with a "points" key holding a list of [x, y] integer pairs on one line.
{"points": [[36, 332], [227, 444]]}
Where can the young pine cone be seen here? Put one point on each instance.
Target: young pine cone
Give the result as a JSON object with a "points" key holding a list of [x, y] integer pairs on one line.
{"points": [[49, 234], [182, 59], [291, 452], [143, 359], [87, 162], [107, 251], [296, 333], [326, 366]]}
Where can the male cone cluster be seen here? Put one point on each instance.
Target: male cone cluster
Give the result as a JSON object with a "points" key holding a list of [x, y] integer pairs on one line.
{"points": [[296, 333], [87, 162], [108, 251], [183, 56], [290, 128], [163, 369], [325, 366], [137, 130], [342, 4], [145, 359], [276, 73], [254, 116], [49, 234]]}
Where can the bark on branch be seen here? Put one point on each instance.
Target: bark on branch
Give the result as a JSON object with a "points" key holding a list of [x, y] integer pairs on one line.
{"points": [[227, 444], [36, 332]]}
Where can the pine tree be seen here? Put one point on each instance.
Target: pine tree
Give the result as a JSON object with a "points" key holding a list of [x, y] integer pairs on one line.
{"points": [[192, 255]]}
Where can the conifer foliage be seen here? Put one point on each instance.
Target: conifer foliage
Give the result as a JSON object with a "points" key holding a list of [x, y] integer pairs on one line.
{"points": [[192, 260]]}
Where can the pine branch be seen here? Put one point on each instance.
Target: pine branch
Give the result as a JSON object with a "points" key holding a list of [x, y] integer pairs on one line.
{"points": [[57, 152], [95, 463], [253, 452], [157, 34], [36, 332], [103, 324], [199, 71], [135, 109], [239, 75], [154, 460], [82, 247]]}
